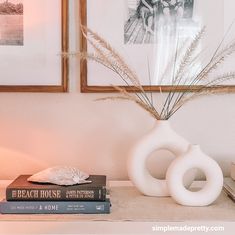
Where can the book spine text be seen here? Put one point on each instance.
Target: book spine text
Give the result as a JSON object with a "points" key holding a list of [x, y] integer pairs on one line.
{"points": [[55, 194], [82, 207]]}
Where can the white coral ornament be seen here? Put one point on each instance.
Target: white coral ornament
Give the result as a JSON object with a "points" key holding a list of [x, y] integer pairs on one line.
{"points": [[60, 175]]}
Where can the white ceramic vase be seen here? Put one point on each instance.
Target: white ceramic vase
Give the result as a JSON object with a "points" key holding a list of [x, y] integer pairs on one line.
{"points": [[194, 158], [162, 136]]}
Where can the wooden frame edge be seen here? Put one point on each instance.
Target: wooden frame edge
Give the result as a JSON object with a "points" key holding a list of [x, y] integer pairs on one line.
{"points": [[65, 44], [109, 89], [83, 46]]}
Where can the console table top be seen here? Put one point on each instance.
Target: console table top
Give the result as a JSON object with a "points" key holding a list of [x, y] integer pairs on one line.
{"points": [[130, 205]]}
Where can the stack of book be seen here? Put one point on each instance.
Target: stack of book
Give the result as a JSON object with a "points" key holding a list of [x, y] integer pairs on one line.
{"points": [[23, 197], [229, 187]]}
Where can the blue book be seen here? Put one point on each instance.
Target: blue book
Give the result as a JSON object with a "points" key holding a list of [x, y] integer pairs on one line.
{"points": [[55, 207]]}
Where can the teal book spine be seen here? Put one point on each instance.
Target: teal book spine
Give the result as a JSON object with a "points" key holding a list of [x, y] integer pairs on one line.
{"points": [[55, 207]]}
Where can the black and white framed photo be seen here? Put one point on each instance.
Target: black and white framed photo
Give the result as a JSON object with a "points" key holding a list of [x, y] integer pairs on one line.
{"points": [[148, 33], [32, 36], [145, 19]]}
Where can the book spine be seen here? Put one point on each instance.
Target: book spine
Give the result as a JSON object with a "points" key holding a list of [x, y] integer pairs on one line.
{"points": [[80, 207], [65, 194]]}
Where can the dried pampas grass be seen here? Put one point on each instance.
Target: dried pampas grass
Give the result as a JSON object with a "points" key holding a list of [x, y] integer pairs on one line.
{"points": [[107, 56]]}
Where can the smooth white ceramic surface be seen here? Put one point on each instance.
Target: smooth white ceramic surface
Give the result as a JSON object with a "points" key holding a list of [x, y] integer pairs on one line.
{"points": [[162, 136], [194, 158]]}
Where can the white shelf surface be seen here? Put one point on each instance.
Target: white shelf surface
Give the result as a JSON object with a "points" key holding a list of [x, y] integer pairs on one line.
{"points": [[128, 205]]}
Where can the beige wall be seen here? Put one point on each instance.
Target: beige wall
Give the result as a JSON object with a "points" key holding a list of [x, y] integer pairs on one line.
{"points": [[42, 130]]}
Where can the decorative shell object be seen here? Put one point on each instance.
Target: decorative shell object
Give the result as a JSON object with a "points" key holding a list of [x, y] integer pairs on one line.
{"points": [[60, 175]]}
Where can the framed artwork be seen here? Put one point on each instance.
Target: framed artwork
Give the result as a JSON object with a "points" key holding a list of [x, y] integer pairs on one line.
{"points": [[148, 38], [33, 34]]}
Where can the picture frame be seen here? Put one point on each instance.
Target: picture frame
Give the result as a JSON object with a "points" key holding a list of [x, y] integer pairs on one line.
{"points": [[95, 79], [40, 39]]}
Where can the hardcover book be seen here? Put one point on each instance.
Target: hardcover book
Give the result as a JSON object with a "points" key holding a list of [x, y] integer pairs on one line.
{"points": [[233, 170], [229, 187], [22, 190], [55, 207]]}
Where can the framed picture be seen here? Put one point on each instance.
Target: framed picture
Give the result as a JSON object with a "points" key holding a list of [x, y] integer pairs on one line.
{"points": [[33, 34], [149, 38]]}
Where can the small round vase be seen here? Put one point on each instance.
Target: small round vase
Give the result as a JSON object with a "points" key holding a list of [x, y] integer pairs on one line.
{"points": [[162, 136], [194, 158]]}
